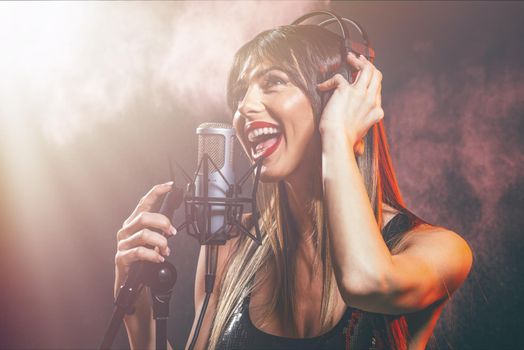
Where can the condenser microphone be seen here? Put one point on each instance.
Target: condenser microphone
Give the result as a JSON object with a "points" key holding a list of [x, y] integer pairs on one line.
{"points": [[214, 204], [214, 178]]}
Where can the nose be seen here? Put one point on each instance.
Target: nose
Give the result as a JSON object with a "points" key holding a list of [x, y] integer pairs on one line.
{"points": [[252, 101]]}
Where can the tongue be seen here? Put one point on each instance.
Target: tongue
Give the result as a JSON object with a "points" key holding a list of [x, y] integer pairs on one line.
{"points": [[266, 144]]}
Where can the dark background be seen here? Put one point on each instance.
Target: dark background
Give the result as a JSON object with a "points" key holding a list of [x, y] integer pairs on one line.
{"points": [[453, 95]]}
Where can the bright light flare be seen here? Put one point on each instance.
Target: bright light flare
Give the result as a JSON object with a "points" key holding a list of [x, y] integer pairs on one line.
{"points": [[40, 44]]}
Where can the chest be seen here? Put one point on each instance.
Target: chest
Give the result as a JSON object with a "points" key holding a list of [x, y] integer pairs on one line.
{"points": [[307, 303]]}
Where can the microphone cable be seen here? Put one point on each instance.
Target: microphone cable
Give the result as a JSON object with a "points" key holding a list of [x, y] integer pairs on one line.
{"points": [[200, 320]]}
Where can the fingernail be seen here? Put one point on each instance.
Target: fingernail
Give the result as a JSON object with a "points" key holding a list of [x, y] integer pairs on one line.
{"points": [[351, 54], [362, 57], [162, 259], [172, 231], [169, 183], [168, 251]]}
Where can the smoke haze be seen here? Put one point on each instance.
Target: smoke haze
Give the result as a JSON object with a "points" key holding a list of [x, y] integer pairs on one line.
{"points": [[94, 95], [70, 66]]}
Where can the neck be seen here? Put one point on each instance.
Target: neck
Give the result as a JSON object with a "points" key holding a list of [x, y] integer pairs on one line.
{"points": [[301, 190]]}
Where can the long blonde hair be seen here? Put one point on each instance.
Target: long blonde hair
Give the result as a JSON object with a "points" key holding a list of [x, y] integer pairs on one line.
{"points": [[307, 53]]}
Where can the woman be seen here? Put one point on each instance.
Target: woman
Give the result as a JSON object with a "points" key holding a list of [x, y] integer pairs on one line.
{"points": [[343, 263]]}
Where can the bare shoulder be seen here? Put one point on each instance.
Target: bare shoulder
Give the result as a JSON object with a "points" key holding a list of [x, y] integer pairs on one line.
{"points": [[444, 249], [427, 234]]}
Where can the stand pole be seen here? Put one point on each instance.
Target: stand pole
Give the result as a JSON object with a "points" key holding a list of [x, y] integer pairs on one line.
{"points": [[160, 315], [160, 278]]}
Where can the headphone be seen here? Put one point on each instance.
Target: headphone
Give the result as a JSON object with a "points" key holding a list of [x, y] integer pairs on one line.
{"points": [[347, 45]]}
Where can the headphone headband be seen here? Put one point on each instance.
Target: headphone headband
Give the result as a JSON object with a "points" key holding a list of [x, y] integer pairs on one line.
{"points": [[358, 48], [349, 46], [334, 17]]}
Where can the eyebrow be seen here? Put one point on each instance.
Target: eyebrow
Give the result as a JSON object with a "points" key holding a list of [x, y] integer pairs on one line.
{"points": [[265, 71]]}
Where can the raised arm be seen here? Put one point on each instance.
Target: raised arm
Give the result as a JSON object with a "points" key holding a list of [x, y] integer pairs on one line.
{"points": [[432, 262]]}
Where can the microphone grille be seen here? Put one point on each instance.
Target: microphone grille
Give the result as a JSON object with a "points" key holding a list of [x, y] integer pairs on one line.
{"points": [[212, 125], [212, 141], [214, 146]]}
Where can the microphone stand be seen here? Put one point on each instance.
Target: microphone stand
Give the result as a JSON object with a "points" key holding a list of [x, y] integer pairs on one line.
{"points": [[161, 277], [161, 294]]}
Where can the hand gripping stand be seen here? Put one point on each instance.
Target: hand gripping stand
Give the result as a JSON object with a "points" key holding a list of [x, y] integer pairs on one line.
{"points": [[161, 277]]}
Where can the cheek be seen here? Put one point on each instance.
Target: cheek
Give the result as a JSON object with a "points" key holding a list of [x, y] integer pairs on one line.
{"points": [[299, 117], [294, 102], [238, 124]]}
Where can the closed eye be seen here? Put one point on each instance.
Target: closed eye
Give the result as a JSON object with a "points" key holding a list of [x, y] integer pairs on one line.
{"points": [[272, 80], [269, 80]]}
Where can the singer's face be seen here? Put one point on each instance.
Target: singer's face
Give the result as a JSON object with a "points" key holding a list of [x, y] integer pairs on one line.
{"points": [[275, 120]]}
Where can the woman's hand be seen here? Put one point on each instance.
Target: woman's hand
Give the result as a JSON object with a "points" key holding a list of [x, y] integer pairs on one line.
{"points": [[136, 240], [353, 108]]}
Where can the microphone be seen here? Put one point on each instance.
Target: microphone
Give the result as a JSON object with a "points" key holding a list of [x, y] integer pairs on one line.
{"points": [[214, 205], [213, 200], [215, 179]]}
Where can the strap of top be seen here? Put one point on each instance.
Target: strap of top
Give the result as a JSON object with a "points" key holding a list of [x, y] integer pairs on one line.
{"points": [[399, 224]]}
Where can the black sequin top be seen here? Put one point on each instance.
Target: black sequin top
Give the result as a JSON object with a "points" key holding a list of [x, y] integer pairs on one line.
{"points": [[356, 329]]}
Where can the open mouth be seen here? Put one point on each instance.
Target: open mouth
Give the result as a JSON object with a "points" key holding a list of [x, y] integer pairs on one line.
{"points": [[263, 138]]}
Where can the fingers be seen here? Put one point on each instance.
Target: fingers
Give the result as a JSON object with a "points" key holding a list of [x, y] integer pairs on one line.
{"points": [[145, 237], [151, 199], [135, 242], [366, 68], [369, 81], [376, 115], [136, 239], [146, 220], [355, 62], [368, 78], [378, 101], [125, 258], [375, 85], [332, 83]]}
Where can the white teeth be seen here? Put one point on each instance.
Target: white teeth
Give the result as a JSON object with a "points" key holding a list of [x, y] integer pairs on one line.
{"points": [[257, 132]]}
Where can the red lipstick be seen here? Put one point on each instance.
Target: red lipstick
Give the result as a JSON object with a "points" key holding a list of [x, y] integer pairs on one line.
{"points": [[258, 124]]}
